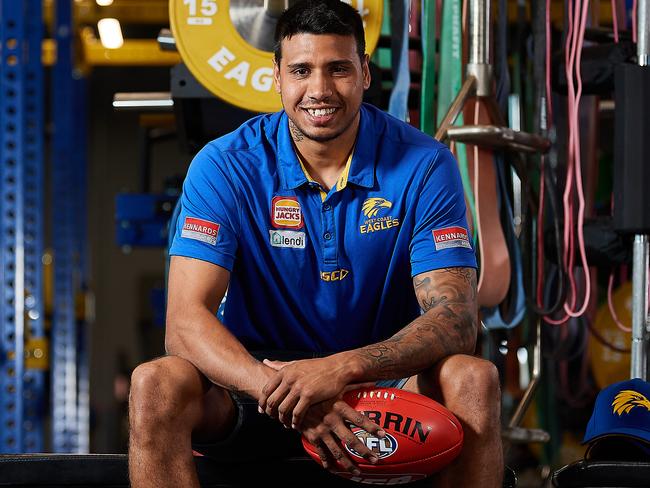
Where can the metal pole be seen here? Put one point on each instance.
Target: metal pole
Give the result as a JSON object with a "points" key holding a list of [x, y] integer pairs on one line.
{"points": [[639, 362], [275, 7], [65, 435], [643, 32], [479, 52], [12, 238], [529, 394], [639, 307], [456, 107]]}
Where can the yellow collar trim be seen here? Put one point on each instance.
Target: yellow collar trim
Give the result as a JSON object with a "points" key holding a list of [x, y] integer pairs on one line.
{"points": [[343, 179]]}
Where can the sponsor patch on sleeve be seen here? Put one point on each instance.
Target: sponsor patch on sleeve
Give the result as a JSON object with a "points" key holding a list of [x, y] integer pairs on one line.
{"points": [[450, 237], [200, 230]]}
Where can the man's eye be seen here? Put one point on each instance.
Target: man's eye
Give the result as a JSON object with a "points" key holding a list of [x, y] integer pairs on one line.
{"points": [[300, 71]]}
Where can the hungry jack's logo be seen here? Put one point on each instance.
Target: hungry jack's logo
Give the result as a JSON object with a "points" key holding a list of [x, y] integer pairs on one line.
{"points": [[371, 208], [286, 213]]}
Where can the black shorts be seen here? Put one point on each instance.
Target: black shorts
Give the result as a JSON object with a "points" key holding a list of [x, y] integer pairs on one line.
{"points": [[253, 428]]}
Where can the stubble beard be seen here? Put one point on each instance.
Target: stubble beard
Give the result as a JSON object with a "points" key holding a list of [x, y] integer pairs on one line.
{"points": [[300, 134]]}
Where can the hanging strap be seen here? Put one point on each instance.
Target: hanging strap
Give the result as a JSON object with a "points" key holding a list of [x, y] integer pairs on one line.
{"points": [[515, 307], [450, 79], [398, 103], [494, 273], [428, 88], [501, 72]]}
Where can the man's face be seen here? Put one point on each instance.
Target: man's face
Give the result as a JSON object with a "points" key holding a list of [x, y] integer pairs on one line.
{"points": [[321, 80]]}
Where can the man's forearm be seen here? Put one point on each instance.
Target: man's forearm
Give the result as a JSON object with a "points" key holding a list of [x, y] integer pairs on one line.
{"points": [[205, 342], [447, 327]]}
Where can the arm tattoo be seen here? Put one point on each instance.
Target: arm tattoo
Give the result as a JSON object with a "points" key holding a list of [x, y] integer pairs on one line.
{"points": [[296, 132], [448, 325]]}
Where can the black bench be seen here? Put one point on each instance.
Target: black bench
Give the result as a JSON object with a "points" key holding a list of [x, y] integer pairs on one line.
{"points": [[110, 470], [603, 474]]}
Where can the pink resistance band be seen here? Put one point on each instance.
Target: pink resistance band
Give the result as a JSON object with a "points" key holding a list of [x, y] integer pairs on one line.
{"points": [[577, 13]]}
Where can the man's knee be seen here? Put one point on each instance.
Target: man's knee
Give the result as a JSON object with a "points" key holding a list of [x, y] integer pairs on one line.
{"points": [[465, 376], [161, 391], [471, 389]]}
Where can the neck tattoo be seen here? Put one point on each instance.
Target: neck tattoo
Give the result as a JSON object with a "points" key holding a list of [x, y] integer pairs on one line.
{"points": [[295, 132]]}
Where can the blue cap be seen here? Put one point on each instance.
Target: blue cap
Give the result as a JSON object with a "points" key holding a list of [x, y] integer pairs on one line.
{"points": [[621, 409]]}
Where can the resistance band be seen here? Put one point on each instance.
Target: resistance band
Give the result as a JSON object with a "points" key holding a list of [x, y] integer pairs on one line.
{"points": [[494, 272], [450, 79], [398, 103], [428, 87], [577, 14], [515, 308]]}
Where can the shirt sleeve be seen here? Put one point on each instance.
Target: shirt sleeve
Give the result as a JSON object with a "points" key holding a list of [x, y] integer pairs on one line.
{"points": [[208, 224], [440, 237]]}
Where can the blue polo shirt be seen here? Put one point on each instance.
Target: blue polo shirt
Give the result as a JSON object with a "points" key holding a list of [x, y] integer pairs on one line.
{"points": [[314, 270]]}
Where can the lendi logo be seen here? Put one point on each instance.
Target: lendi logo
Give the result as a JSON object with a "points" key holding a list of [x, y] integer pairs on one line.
{"points": [[287, 238]]}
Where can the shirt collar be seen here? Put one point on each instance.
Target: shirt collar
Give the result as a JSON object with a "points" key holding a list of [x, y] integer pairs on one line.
{"points": [[361, 170]]}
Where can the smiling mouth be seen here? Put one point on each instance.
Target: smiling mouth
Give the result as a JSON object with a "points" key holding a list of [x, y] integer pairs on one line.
{"points": [[320, 112]]}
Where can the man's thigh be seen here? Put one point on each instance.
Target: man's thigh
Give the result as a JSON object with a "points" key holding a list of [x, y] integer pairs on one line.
{"points": [[249, 431], [451, 375], [253, 432]]}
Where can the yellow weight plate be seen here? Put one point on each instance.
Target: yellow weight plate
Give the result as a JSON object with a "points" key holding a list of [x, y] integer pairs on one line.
{"points": [[609, 366], [227, 46]]}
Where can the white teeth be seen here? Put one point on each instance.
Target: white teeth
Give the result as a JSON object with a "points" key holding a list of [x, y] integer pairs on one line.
{"points": [[321, 111]]}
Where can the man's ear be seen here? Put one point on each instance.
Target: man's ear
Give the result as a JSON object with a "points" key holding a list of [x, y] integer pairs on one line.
{"points": [[365, 67], [276, 75]]}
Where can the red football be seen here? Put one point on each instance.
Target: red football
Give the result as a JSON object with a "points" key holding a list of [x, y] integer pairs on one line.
{"points": [[422, 436]]}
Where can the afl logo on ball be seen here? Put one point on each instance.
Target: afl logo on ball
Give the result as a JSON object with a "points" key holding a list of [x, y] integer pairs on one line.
{"points": [[380, 447]]}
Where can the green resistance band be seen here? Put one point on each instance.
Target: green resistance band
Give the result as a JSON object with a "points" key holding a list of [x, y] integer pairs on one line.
{"points": [[428, 90], [449, 83]]}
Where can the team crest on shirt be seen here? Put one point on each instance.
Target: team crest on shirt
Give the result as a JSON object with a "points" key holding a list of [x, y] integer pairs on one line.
{"points": [[286, 213], [200, 230], [451, 237], [372, 210]]}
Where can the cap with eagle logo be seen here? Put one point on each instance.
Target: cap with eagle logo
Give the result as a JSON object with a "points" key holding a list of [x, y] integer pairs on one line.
{"points": [[621, 409]]}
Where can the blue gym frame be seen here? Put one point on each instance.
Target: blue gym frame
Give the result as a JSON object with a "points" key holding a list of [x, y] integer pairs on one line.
{"points": [[69, 362], [22, 401], [23, 383]]}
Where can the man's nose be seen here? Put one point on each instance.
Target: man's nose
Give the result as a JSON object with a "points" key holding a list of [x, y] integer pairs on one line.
{"points": [[320, 86]]}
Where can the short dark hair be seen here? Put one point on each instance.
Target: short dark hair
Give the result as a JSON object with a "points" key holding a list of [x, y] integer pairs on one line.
{"points": [[319, 17]]}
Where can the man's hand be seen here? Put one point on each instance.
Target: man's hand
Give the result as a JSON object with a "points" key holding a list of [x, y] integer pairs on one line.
{"points": [[325, 425], [299, 384]]}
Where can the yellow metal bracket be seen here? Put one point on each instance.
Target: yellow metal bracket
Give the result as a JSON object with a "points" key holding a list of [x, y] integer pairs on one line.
{"points": [[37, 353]]}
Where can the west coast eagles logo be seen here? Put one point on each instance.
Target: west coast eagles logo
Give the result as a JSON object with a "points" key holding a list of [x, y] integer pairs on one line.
{"points": [[371, 208], [626, 400]]}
